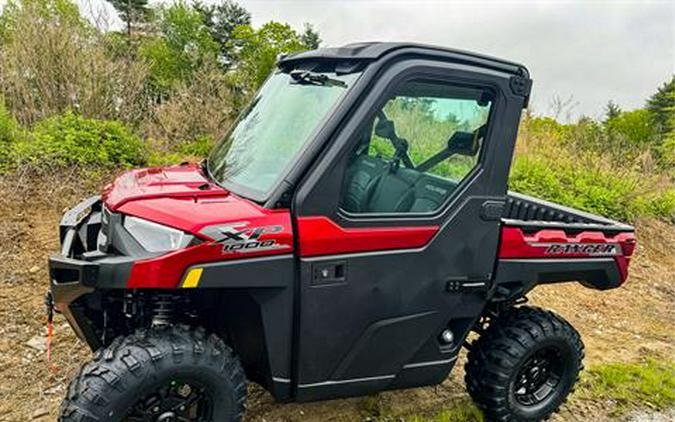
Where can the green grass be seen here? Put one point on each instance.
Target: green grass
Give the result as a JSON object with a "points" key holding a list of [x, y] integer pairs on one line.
{"points": [[649, 383], [372, 408], [462, 411]]}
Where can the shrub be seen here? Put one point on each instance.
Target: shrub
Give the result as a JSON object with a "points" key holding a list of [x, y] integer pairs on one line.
{"points": [[565, 165], [54, 61], [197, 148], [574, 186], [201, 108], [194, 150], [10, 131], [666, 152], [71, 139], [588, 135]]}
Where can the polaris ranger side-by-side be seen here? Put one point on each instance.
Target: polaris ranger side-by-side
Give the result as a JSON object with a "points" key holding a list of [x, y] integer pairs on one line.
{"points": [[345, 238]]}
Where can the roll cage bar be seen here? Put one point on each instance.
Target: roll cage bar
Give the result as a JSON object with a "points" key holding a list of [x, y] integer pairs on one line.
{"points": [[464, 143]]}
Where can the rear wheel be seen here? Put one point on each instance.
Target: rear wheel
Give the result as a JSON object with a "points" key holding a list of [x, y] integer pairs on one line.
{"points": [[523, 367], [162, 375]]}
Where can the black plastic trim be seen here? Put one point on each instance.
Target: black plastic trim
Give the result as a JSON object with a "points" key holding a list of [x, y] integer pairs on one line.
{"points": [[525, 210], [247, 273], [370, 51], [76, 215], [596, 273]]}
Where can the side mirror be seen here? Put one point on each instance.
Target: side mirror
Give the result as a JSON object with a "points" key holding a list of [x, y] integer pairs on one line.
{"points": [[463, 143], [385, 129]]}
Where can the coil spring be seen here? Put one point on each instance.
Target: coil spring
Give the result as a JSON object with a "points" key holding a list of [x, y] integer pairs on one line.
{"points": [[162, 310]]}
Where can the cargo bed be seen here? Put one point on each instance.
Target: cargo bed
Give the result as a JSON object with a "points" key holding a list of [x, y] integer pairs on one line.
{"points": [[543, 242], [528, 212]]}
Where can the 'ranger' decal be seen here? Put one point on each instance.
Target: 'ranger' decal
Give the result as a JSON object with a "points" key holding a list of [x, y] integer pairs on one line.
{"points": [[591, 249]]}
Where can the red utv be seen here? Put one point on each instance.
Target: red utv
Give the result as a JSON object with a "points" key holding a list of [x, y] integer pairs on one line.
{"points": [[345, 238]]}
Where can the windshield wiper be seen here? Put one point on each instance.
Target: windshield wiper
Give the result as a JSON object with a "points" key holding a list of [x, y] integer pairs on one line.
{"points": [[312, 78], [204, 165]]}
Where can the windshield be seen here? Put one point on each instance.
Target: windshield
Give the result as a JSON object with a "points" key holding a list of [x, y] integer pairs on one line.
{"points": [[274, 129]]}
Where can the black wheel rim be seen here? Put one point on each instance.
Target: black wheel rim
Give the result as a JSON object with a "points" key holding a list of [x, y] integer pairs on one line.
{"points": [[539, 377], [175, 401]]}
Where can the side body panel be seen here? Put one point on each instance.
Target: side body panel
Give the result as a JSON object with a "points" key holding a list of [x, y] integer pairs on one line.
{"points": [[268, 234], [256, 314]]}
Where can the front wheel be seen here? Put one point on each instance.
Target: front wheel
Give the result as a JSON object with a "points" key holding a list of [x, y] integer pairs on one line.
{"points": [[171, 374], [523, 367]]}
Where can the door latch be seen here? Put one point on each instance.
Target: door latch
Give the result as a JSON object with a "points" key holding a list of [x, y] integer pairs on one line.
{"points": [[467, 285], [329, 272]]}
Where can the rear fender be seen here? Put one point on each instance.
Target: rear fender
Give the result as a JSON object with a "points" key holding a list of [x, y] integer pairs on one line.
{"points": [[596, 259]]}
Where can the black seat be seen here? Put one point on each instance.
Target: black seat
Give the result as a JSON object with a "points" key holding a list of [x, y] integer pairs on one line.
{"points": [[430, 192], [394, 191], [374, 185], [362, 177]]}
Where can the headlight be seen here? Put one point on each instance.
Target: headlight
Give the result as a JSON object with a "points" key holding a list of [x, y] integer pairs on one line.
{"points": [[155, 237]]}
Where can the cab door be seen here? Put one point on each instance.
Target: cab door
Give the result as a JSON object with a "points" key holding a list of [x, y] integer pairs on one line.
{"points": [[398, 227]]}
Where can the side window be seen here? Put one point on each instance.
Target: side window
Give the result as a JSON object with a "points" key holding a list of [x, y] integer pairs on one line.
{"points": [[417, 149]]}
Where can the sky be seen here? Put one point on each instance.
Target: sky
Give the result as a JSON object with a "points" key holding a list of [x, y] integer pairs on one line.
{"points": [[587, 51], [584, 53]]}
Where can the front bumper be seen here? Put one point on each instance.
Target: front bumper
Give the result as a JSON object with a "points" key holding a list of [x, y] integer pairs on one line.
{"points": [[70, 277], [81, 267]]}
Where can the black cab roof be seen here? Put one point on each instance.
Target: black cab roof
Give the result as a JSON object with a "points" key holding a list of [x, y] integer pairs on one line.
{"points": [[371, 51]]}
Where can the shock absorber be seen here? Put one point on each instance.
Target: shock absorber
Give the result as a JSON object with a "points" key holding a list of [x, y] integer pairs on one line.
{"points": [[162, 310]]}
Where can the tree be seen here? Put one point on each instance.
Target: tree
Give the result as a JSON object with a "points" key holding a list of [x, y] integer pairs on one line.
{"points": [[310, 37], [612, 110], [221, 20], [661, 106], [633, 126], [563, 108], [62, 13], [258, 50], [183, 45], [132, 12], [53, 60]]}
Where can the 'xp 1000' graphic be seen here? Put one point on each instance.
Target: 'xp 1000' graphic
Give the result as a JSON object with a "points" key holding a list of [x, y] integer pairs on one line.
{"points": [[239, 238]]}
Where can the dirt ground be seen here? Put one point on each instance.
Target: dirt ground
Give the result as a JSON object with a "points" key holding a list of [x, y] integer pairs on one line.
{"points": [[619, 325]]}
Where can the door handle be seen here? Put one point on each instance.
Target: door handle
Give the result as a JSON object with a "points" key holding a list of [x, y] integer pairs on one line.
{"points": [[329, 272], [467, 284]]}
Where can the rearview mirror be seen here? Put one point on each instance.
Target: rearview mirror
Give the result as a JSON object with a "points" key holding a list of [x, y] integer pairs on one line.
{"points": [[463, 143]]}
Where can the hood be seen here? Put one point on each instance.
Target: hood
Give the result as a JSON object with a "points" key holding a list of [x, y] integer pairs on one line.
{"points": [[185, 180], [181, 197]]}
